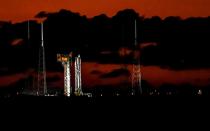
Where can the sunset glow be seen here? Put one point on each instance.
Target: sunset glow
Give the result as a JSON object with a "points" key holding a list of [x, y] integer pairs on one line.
{"points": [[17, 10]]}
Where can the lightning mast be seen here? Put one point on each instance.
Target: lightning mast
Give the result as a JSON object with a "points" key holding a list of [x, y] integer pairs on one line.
{"points": [[42, 84], [136, 69]]}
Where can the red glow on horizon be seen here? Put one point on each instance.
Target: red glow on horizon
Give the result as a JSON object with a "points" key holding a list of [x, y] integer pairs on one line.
{"points": [[154, 75]]}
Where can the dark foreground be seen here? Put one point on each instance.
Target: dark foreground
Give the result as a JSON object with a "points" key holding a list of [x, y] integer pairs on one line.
{"points": [[84, 108], [114, 100]]}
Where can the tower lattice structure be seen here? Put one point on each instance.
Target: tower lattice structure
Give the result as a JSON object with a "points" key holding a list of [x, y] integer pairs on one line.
{"points": [[136, 68], [66, 62], [42, 84]]}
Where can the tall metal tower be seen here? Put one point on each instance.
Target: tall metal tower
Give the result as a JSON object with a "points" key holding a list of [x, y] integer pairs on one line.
{"points": [[78, 78], [136, 69], [42, 84], [66, 62]]}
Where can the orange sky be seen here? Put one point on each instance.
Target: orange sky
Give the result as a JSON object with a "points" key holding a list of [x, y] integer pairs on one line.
{"points": [[18, 10]]}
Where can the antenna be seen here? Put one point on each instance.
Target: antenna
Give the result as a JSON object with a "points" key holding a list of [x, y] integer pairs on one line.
{"points": [[42, 34]]}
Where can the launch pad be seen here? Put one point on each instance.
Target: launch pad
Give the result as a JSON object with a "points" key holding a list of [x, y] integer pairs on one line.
{"points": [[67, 61]]}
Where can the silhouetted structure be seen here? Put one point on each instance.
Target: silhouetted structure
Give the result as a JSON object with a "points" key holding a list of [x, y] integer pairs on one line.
{"points": [[180, 43], [136, 71], [42, 84]]}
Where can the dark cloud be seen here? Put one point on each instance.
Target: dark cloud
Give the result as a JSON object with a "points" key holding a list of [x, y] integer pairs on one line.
{"points": [[8, 80], [4, 69], [42, 14], [17, 42], [53, 78], [95, 72], [10, 71], [148, 44], [116, 73], [173, 42]]}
